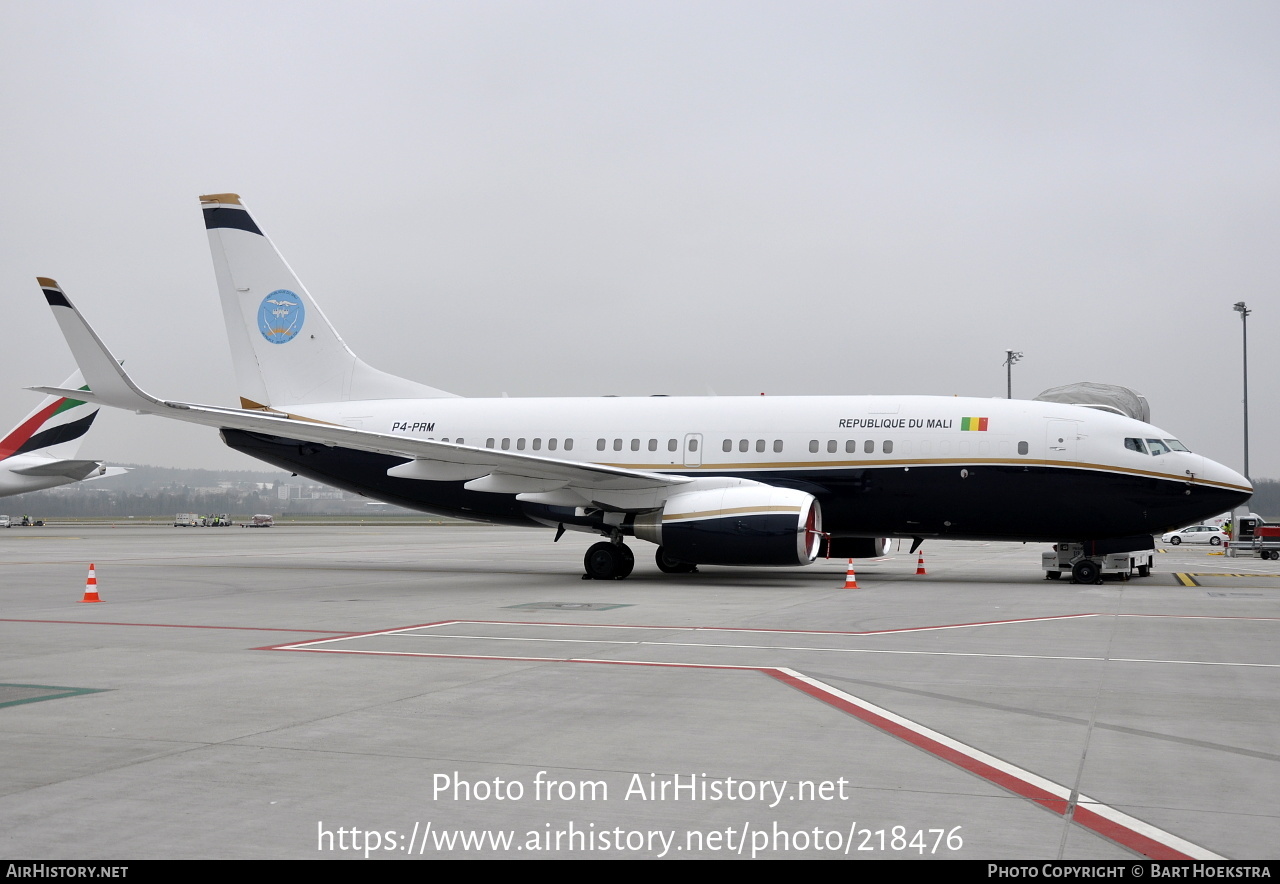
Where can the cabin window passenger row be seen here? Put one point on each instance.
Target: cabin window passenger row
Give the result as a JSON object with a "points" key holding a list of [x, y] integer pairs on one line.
{"points": [[535, 444], [744, 445]]}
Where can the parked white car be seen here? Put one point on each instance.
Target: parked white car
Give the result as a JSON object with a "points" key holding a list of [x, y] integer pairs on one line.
{"points": [[1196, 534]]}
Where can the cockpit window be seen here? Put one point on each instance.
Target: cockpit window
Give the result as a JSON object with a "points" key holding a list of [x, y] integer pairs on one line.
{"points": [[1176, 445], [1135, 445], [1157, 447]]}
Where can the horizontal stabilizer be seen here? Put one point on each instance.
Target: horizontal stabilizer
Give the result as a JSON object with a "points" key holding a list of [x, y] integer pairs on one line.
{"points": [[70, 469]]}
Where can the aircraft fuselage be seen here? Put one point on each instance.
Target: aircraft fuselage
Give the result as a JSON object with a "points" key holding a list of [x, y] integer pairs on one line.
{"points": [[910, 466]]}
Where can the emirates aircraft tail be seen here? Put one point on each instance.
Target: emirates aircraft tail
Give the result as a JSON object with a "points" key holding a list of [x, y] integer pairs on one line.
{"points": [[40, 452], [55, 427]]}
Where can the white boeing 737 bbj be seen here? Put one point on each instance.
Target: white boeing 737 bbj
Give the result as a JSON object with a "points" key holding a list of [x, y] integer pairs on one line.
{"points": [[39, 452], [760, 480]]}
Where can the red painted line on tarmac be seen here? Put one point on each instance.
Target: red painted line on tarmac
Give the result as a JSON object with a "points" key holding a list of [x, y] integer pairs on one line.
{"points": [[1002, 779], [1082, 815], [1125, 836], [175, 625]]}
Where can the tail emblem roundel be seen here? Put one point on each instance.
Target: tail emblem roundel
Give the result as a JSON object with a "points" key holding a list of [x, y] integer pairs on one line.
{"points": [[281, 316]]}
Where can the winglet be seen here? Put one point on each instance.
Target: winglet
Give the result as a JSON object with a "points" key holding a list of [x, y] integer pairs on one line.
{"points": [[108, 382]]}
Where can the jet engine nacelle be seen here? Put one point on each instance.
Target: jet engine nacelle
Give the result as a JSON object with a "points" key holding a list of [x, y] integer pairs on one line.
{"points": [[740, 525]]}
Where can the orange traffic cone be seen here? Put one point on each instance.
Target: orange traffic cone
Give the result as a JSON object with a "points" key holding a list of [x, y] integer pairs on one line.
{"points": [[920, 565], [851, 579], [91, 587]]}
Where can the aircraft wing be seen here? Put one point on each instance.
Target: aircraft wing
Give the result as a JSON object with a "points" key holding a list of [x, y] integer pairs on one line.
{"points": [[530, 477]]}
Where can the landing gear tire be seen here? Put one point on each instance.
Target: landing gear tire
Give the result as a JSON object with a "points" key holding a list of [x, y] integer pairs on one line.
{"points": [[608, 561], [1085, 571], [668, 565]]}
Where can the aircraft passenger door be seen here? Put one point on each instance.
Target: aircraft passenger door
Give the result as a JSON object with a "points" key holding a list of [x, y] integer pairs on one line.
{"points": [[693, 449], [1060, 441]]}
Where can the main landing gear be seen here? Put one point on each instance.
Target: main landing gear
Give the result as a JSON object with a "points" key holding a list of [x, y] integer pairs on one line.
{"points": [[668, 565], [608, 560], [613, 560]]}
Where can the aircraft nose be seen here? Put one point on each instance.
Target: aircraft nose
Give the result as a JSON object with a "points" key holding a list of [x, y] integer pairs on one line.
{"points": [[1226, 478]]}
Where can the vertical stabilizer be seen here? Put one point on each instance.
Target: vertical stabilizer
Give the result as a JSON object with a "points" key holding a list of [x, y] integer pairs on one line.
{"points": [[284, 349], [55, 428]]}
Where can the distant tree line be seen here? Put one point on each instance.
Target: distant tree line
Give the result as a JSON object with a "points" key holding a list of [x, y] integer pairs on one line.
{"points": [[161, 493], [150, 492], [86, 503]]}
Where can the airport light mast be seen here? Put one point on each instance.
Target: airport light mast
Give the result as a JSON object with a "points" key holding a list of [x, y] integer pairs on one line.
{"points": [[1012, 356], [1244, 327]]}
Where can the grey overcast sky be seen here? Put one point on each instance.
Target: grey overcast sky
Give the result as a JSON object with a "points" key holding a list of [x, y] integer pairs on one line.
{"points": [[584, 198]]}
